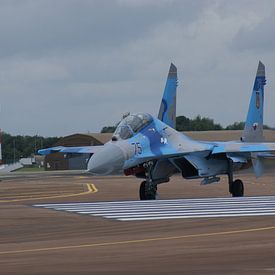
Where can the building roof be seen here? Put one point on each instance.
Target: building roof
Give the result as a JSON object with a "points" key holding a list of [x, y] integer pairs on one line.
{"points": [[221, 135], [79, 139], [101, 137]]}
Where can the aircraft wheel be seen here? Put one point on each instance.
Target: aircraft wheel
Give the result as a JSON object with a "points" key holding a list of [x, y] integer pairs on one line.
{"points": [[237, 188], [146, 193], [142, 187], [151, 195]]}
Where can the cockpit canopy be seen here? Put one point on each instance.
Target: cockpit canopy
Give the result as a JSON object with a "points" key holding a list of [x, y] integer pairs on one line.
{"points": [[132, 124]]}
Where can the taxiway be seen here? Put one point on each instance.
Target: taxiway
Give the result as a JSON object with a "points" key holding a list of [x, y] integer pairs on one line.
{"points": [[42, 230]]}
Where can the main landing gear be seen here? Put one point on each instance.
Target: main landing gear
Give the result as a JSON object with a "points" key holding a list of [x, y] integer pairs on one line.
{"points": [[236, 187]]}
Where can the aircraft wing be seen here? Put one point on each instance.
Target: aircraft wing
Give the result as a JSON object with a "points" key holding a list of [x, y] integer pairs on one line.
{"points": [[77, 150], [243, 147]]}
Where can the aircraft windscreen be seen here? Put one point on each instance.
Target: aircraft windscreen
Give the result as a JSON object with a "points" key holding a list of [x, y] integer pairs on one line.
{"points": [[132, 124]]}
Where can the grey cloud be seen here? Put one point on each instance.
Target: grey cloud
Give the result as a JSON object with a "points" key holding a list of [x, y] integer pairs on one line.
{"points": [[29, 27], [73, 66], [260, 39]]}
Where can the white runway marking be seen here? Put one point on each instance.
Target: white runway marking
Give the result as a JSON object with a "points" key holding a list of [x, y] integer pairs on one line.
{"points": [[172, 209]]}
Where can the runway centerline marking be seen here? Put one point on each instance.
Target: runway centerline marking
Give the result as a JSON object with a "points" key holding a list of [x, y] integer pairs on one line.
{"points": [[171, 209], [91, 188], [137, 241]]}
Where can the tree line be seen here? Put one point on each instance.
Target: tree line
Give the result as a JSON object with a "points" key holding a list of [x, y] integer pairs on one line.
{"points": [[16, 147], [198, 123], [206, 124]]}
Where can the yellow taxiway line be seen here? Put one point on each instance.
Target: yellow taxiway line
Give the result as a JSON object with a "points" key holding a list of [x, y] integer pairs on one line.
{"points": [[90, 186], [137, 241]]}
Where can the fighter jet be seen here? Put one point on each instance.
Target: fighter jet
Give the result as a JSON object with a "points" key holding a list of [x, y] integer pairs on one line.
{"points": [[151, 149]]}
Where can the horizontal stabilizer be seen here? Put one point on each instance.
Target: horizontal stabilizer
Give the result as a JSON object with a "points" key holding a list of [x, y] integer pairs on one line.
{"points": [[243, 147]]}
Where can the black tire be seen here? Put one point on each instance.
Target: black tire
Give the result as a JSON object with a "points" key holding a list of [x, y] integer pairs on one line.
{"points": [[151, 196], [142, 187], [145, 194], [237, 188]]}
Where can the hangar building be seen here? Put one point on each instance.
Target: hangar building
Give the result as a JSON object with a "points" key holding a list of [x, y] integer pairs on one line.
{"points": [[60, 161]]}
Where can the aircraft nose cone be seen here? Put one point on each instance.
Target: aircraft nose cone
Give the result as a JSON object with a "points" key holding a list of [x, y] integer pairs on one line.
{"points": [[109, 159]]}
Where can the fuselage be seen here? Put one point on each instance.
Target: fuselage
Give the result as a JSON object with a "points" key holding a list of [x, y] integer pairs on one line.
{"points": [[154, 140]]}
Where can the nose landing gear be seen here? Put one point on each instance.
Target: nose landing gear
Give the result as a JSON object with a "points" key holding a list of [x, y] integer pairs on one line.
{"points": [[148, 188], [147, 191]]}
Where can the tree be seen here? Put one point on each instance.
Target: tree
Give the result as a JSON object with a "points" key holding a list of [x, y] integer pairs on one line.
{"points": [[266, 127], [235, 126], [16, 147], [108, 129], [197, 124], [183, 123], [240, 126]]}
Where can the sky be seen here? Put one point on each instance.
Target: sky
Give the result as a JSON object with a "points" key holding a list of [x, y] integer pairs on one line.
{"points": [[74, 66]]}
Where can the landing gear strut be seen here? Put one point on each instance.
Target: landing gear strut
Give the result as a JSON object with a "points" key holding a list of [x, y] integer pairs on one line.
{"points": [[148, 188], [236, 187]]}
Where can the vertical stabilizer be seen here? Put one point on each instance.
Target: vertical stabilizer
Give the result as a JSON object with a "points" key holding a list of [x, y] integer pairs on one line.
{"points": [[167, 111], [253, 130]]}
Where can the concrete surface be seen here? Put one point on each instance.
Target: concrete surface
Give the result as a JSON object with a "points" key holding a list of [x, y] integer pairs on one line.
{"points": [[43, 241]]}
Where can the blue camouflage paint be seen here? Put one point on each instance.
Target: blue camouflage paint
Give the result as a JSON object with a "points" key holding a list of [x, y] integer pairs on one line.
{"points": [[154, 137], [149, 139], [152, 143], [164, 106], [167, 111], [62, 149], [255, 113], [48, 151], [253, 131]]}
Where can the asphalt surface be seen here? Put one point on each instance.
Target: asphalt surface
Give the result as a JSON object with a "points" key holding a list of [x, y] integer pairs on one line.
{"points": [[41, 240]]}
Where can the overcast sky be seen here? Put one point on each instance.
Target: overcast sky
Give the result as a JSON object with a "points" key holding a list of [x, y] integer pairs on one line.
{"points": [[75, 66]]}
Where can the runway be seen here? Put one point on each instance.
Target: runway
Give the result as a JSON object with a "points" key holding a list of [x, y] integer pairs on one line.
{"points": [[172, 209], [96, 225]]}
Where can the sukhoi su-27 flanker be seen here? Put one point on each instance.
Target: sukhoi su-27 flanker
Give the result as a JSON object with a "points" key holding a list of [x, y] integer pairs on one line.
{"points": [[151, 149]]}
